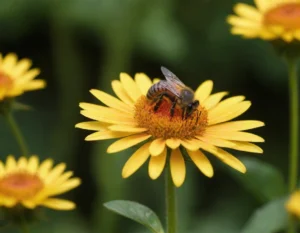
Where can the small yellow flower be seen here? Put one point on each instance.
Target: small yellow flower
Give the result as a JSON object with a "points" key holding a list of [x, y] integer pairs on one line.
{"points": [[16, 77], [272, 19], [31, 184], [131, 117], [293, 204]]}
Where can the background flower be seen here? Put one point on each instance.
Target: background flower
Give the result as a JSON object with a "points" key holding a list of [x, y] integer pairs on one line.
{"points": [[293, 204]]}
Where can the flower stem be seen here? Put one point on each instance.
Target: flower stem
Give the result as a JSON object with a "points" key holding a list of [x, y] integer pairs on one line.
{"points": [[170, 202], [294, 132], [16, 132], [23, 225]]}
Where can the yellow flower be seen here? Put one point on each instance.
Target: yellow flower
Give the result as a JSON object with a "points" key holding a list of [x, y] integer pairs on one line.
{"points": [[16, 77], [293, 204], [131, 117], [272, 19], [31, 184]]}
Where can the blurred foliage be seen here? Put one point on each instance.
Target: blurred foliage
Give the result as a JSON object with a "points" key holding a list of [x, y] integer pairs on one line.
{"points": [[84, 44]]}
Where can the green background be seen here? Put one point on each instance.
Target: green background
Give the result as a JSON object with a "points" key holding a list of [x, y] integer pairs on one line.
{"points": [[84, 44]]}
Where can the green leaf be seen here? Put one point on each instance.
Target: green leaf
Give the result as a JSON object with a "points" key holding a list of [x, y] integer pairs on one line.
{"points": [[265, 181], [137, 212], [270, 218]]}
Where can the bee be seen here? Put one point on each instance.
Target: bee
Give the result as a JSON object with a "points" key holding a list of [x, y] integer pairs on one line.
{"points": [[175, 90]]}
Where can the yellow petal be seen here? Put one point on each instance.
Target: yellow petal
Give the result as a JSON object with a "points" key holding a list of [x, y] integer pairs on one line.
{"points": [[143, 82], [11, 163], [2, 169], [235, 126], [213, 100], [191, 144], [288, 36], [202, 162], [173, 143], [136, 160], [225, 104], [28, 76], [242, 22], [65, 187], [102, 135], [247, 146], [126, 128], [34, 85], [127, 142], [225, 157], [177, 166], [204, 90], [92, 125], [236, 136], [33, 164], [9, 62], [121, 92], [248, 12], [58, 204], [293, 204], [63, 178], [157, 146], [111, 101], [45, 167], [157, 164], [8, 201], [246, 32], [22, 66], [28, 204], [231, 113], [265, 5], [55, 173], [22, 163], [216, 141], [130, 86]]}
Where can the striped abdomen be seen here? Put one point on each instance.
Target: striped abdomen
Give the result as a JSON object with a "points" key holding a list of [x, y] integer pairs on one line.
{"points": [[156, 90]]}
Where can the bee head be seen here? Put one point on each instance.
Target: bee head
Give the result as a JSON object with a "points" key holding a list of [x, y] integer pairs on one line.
{"points": [[192, 107]]}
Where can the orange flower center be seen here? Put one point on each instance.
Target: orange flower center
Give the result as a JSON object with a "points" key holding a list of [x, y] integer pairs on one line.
{"points": [[160, 124], [20, 185], [286, 15]]}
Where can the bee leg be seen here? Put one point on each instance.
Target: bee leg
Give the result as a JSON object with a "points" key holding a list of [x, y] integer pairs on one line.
{"points": [[159, 101], [172, 109], [183, 115]]}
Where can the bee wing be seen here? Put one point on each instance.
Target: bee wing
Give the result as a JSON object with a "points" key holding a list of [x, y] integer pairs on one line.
{"points": [[170, 86], [171, 77]]}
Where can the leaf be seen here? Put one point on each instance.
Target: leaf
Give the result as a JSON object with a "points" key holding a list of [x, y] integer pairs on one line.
{"points": [[265, 181], [270, 218], [137, 212]]}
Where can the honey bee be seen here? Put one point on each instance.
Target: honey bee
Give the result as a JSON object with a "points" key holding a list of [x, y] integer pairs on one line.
{"points": [[175, 90]]}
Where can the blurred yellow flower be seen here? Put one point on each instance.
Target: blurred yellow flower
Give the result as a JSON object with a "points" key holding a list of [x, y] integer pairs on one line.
{"points": [[31, 184], [272, 19], [131, 117], [293, 204], [16, 77]]}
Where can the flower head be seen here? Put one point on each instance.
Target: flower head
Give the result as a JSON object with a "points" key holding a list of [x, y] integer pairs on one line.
{"points": [[16, 77], [293, 204], [31, 184], [276, 19], [133, 118]]}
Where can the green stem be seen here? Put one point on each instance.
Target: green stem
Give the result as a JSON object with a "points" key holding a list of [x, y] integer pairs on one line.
{"points": [[170, 202], [294, 132], [16, 132], [23, 225]]}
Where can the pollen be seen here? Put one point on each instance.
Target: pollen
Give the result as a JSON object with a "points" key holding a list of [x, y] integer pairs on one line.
{"points": [[5, 80], [20, 185], [160, 124], [286, 15]]}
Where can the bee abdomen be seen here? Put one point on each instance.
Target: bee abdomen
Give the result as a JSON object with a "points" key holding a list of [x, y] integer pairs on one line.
{"points": [[154, 90]]}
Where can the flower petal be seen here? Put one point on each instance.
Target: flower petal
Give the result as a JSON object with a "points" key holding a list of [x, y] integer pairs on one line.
{"points": [[58, 204], [235, 126], [178, 170], [136, 160], [92, 125], [231, 113], [127, 128], [236, 136], [216, 141], [45, 168], [121, 92], [173, 143], [225, 104], [55, 173], [11, 163], [111, 101], [242, 22], [246, 146], [22, 66], [245, 32], [202, 162], [204, 90], [157, 146], [130, 86], [102, 135], [248, 12], [157, 164], [33, 164], [191, 144], [213, 100], [68, 185], [127, 142], [9, 61], [143, 82]]}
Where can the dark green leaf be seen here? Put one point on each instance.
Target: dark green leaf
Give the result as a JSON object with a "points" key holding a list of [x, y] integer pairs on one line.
{"points": [[262, 179], [137, 212], [270, 218]]}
